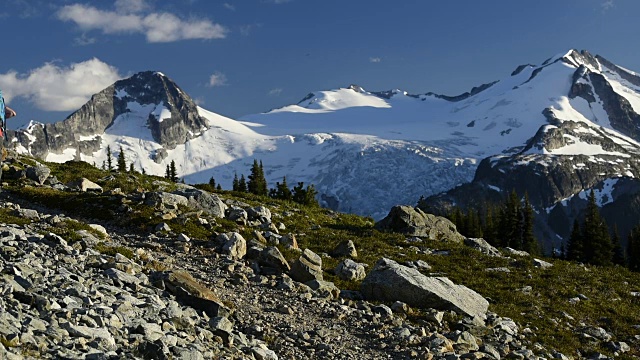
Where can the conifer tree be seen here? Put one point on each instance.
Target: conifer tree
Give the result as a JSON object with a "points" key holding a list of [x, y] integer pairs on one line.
{"points": [[489, 230], [131, 168], [575, 247], [509, 226], [305, 196], [104, 165], [257, 184], [212, 182], [109, 158], [596, 235], [242, 184], [173, 173], [219, 187], [122, 162], [282, 190], [167, 173], [236, 183], [633, 249], [618, 251], [529, 243]]}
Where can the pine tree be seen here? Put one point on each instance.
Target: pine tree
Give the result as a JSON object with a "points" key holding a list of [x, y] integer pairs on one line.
{"points": [[282, 190], [173, 173], [109, 158], [489, 229], [167, 172], [219, 187], [104, 165], [633, 249], [618, 251], [257, 183], [122, 162], [575, 247], [131, 168], [509, 228], [242, 184], [305, 196], [236, 182], [143, 171], [596, 235], [529, 242], [212, 182]]}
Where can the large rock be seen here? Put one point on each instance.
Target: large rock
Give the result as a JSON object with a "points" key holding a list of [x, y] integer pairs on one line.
{"points": [[415, 222], [165, 200], [85, 185], [345, 248], [191, 292], [259, 213], [38, 173], [202, 200], [390, 281], [348, 269], [308, 267], [272, 258], [236, 246], [483, 246]]}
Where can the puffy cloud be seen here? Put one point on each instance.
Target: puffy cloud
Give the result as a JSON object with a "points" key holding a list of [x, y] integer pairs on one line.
{"points": [[55, 88], [157, 27], [217, 79]]}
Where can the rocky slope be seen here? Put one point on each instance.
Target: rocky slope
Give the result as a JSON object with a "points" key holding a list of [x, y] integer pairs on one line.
{"points": [[164, 271]]}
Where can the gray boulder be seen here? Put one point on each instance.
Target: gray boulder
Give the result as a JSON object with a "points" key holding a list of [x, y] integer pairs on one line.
{"points": [[259, 213], [345, 248], [390, 281], [236, 246], [202, 200], [272, 258], [38, 173], [415, 222], [483, 246], [348, 269], [308, 267], [85, 185], [165, 200]]}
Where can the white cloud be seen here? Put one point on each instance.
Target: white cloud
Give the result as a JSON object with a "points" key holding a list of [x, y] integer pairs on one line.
{"points": [[55, 88], [607, 5], [275, 92], [158, 27], [229, 6], [217, 79], [246, 30], [375, 59]]}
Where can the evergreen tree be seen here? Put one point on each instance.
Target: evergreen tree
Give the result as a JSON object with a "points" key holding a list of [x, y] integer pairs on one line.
{"points": [[257, 183], [489, 230], [509, 226], [219, 187], [242, 184], [304, 196], [104, 165], [529, 242], [131, 168], [212, 182], [575, 247], [167, 172], [173, 173], [618, 251], [282, 190], [236, 183], [122, 162], [143, 171], [109, 158], [633, 249], [596, 235]]}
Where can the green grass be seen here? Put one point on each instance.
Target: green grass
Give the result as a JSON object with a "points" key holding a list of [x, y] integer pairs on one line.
{"points": [[610, 303], [113, 250]]}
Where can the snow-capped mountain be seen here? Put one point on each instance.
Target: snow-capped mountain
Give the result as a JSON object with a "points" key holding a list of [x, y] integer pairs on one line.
{"points": [[367, 151]]}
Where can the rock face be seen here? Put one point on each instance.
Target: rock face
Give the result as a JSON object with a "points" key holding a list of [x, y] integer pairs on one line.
{"points": [[415, 222], [148, 89], [390, 281]]}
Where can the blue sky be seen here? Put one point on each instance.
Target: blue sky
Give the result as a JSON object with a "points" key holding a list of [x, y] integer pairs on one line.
{"points": [[238, 57]]}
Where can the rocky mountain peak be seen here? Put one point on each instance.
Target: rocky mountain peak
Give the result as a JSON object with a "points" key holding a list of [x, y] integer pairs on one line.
{"points": [[149, 97]]}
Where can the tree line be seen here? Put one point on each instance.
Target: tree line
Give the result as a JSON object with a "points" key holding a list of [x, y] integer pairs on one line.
{"points": [[257, 184], [511, 224]]}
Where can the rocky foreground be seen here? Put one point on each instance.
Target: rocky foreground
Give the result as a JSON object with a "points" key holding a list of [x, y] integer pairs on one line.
{"points": [[108, 292]]}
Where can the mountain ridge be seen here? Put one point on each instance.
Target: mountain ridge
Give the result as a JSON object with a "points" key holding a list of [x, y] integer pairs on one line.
{"points": [[367, 151]]}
